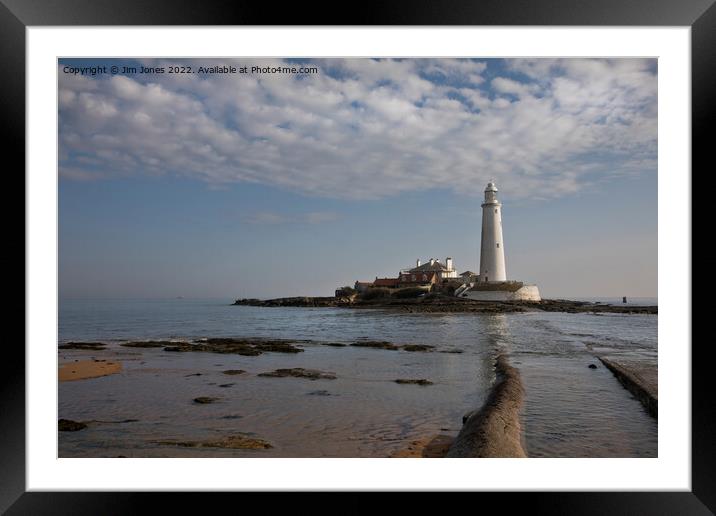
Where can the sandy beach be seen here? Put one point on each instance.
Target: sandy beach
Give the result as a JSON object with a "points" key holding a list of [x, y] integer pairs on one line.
{"points": [[84, 369], [435, 446]]}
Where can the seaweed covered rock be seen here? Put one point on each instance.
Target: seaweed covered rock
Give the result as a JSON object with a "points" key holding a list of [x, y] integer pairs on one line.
{"points": [[418, 347], [148, 343], [420, 381], [299, 372], [232, 442], [67, 425], [203, 400], [376, 344], [94, 346], [236, 346]]}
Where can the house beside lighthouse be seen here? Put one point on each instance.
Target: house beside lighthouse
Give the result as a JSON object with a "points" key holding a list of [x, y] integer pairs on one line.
{"points": [[491, 283]]}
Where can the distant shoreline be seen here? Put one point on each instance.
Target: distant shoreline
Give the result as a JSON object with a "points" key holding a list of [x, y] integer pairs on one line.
{"points": [[437, 303]]}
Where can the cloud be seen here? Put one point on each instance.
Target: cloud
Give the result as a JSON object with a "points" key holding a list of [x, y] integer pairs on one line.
{"points": [[368, 129], [504, 85]]}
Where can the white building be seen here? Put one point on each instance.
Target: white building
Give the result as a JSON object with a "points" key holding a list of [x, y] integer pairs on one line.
{"points": [[492, 284], [443, 271]]}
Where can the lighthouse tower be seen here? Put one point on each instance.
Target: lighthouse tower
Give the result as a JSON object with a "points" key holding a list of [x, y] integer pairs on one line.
{"points": [[492, 249]]}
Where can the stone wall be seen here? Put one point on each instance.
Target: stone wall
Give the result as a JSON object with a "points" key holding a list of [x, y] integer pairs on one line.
{"points": [[524, 293]]}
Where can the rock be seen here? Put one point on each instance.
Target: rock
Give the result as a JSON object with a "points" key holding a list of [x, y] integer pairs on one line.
{"points": [[277, 347], [192, 374], [227, 385], [205, 400], [231, 416], [334, 344], [295, 301], [299, 372], [67, 425], [84, 345], [494, 430], [418, 347], [420, 381], [234, 442], [377, 344], [234, 371], [318, 393], [247, 347], [148, 344], [592, 366]]}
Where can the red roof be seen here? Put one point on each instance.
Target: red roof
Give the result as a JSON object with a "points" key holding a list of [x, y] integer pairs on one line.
{"points": [[386, 282]]}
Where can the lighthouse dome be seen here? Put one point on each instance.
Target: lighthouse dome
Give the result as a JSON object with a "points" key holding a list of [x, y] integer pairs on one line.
{"points": [[491, 187]]}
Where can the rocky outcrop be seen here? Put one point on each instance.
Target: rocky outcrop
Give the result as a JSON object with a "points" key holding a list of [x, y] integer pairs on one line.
{"points": [[67, 425], [417, 347], [296, 301], [442, 303], [494, 430], [299, 372], [375, 344], [382, 344], [94, 346], [247, 347], [205, 400], [410, 381], [148, 344]]}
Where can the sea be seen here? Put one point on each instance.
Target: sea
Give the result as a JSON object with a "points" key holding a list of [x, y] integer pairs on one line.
{"points": [[570, 409]]}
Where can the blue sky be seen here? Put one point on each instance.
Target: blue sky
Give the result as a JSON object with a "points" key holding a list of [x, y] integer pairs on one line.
{"points": [[261, 185]]}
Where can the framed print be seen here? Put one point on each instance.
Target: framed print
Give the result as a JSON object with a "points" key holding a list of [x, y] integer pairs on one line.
{"points": [[298, 258]]}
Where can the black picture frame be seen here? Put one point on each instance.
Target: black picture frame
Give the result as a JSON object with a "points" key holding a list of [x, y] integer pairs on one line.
{"points": [[17, 15]]}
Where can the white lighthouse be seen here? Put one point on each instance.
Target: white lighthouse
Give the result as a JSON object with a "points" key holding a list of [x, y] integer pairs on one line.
{"points": [[491, 284], [492, 249]]}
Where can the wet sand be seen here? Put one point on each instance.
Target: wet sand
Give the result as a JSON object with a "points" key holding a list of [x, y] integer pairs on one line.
{"points": [[83, 369], [435, 446]]}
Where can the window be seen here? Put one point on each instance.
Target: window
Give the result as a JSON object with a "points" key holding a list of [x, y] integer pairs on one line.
{"points": [[495, 210], [498, 245]]}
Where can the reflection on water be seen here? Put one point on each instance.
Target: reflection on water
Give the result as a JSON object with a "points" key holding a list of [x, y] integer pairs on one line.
{"points": [[570, 410]]}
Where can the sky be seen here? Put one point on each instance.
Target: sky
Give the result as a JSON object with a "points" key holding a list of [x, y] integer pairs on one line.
{"points": [[279, 184]]}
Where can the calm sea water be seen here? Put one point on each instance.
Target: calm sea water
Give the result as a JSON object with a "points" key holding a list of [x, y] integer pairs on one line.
{"points": [[570, 410]]}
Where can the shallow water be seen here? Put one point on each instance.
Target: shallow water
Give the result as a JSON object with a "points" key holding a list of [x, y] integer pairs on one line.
{"points": [[570, 410]]}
